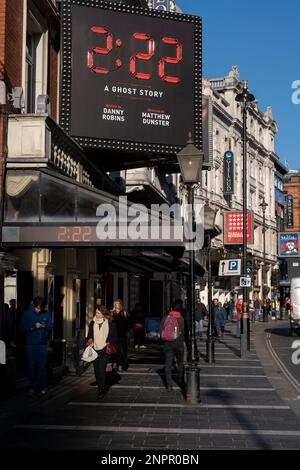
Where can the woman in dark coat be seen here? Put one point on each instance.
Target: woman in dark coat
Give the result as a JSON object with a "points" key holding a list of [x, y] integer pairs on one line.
{"points": [[137, 319], [102, 331], [122, 321]]}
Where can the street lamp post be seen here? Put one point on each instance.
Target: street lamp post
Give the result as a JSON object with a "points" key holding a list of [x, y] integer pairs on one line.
{"points": [[210, 217], [190, 160], [264, 206], [245, 98]]}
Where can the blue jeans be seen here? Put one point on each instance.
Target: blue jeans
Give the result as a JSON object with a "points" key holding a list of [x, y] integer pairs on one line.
{"points": [[238, 328], [36, 365], [199, 326]]}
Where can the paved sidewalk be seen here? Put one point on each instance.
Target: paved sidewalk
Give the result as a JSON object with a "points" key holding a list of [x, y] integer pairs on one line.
{"points": [[240, 409]]}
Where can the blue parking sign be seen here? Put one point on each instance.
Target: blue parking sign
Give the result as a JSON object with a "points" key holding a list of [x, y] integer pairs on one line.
{"points": [[233, 265]]}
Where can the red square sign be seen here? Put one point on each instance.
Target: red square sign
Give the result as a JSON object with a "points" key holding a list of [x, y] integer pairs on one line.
{"points": [[233, 228]]}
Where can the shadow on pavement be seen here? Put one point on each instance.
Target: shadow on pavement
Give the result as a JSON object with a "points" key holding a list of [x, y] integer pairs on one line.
{"points": [[286, 332], [226, 399]]}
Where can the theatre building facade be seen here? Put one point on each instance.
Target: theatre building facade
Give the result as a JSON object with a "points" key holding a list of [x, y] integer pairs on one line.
{"points": [[50, 192]]}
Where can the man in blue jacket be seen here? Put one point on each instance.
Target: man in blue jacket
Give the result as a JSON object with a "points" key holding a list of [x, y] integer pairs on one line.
{"points": [[36, 322]]}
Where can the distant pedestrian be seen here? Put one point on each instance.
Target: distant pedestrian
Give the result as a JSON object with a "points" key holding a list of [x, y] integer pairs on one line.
{"points": [[239, 311], [219, 315], [277, 307], [102, 331], [36, 323], [178, 306], [123, 325], [251, 311], [137, 319], [257, 309], [200, 314], [172, 334], [226, 306], [266, 308], [287, 307]]}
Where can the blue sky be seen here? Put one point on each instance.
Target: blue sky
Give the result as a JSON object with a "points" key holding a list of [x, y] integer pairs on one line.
{"points": [[262, 37]]}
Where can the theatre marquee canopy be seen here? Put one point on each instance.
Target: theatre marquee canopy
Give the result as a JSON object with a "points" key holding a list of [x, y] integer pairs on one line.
{"points": [[131, 78], [45, 209]]}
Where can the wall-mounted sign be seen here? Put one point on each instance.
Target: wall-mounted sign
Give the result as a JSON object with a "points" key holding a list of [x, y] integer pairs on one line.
{"points": [[207, 129], [162, 5], [233, 228], [290, 211], [245, 282], [228, 173], [131, 78], [289, 244], [230, 267]]}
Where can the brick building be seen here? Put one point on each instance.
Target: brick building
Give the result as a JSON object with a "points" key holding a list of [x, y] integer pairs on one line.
{"points": [[292, 191]]}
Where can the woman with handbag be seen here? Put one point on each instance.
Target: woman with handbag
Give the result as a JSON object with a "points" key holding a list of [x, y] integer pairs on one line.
{"points": [[102, 336]]}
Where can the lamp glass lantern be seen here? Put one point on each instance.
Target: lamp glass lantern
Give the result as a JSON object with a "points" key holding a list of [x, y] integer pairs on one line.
{"points": [[190, 160], [264, 205], [209, 217]]}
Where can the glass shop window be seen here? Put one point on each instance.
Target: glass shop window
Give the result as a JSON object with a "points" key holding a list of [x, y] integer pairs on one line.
{"points": [[22, 197], [58, 200]]}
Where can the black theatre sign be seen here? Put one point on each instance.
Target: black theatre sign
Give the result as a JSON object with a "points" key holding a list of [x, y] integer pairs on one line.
{"points": [[131, 78], [290, 211], [228, 173]]}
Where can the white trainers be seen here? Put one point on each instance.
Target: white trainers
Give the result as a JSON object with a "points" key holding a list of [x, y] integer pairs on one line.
{"points": [[136, 346], [143, 346]]}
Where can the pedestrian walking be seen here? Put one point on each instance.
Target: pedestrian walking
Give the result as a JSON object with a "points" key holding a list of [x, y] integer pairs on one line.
{"points": [[287, 307], [277, 308], [239, 311], [231, 308], [219, 316], [172, 334], [137, 319], [102, 331], [123, 325], [266, 309], [178, 307], [200, 314], [226, 306], [36, 322], [251, 311], [257, 309]]}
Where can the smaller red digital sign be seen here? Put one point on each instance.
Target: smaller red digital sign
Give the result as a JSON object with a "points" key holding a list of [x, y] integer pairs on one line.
{"points": [[233, 228]]}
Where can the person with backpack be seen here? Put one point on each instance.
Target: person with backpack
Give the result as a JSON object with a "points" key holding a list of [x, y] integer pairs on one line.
{"points": [[172, 335]]}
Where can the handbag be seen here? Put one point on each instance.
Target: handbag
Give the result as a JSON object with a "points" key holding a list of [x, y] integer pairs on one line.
{"points": [[89, 354], [110, 349]]}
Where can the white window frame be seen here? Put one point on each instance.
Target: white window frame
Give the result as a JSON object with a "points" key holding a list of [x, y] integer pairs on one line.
{"points": [[34, 25]]}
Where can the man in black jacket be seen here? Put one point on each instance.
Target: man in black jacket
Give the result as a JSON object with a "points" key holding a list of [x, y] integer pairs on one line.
{"points": [[200, 314]]}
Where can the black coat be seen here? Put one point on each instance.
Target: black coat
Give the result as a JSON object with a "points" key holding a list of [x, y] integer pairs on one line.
{"points": [[200, 312]]}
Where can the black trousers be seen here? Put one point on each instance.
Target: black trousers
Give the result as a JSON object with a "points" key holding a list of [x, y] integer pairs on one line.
{"points": [[122, 352], [100, 368], [139, 336], [173, 350]]}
